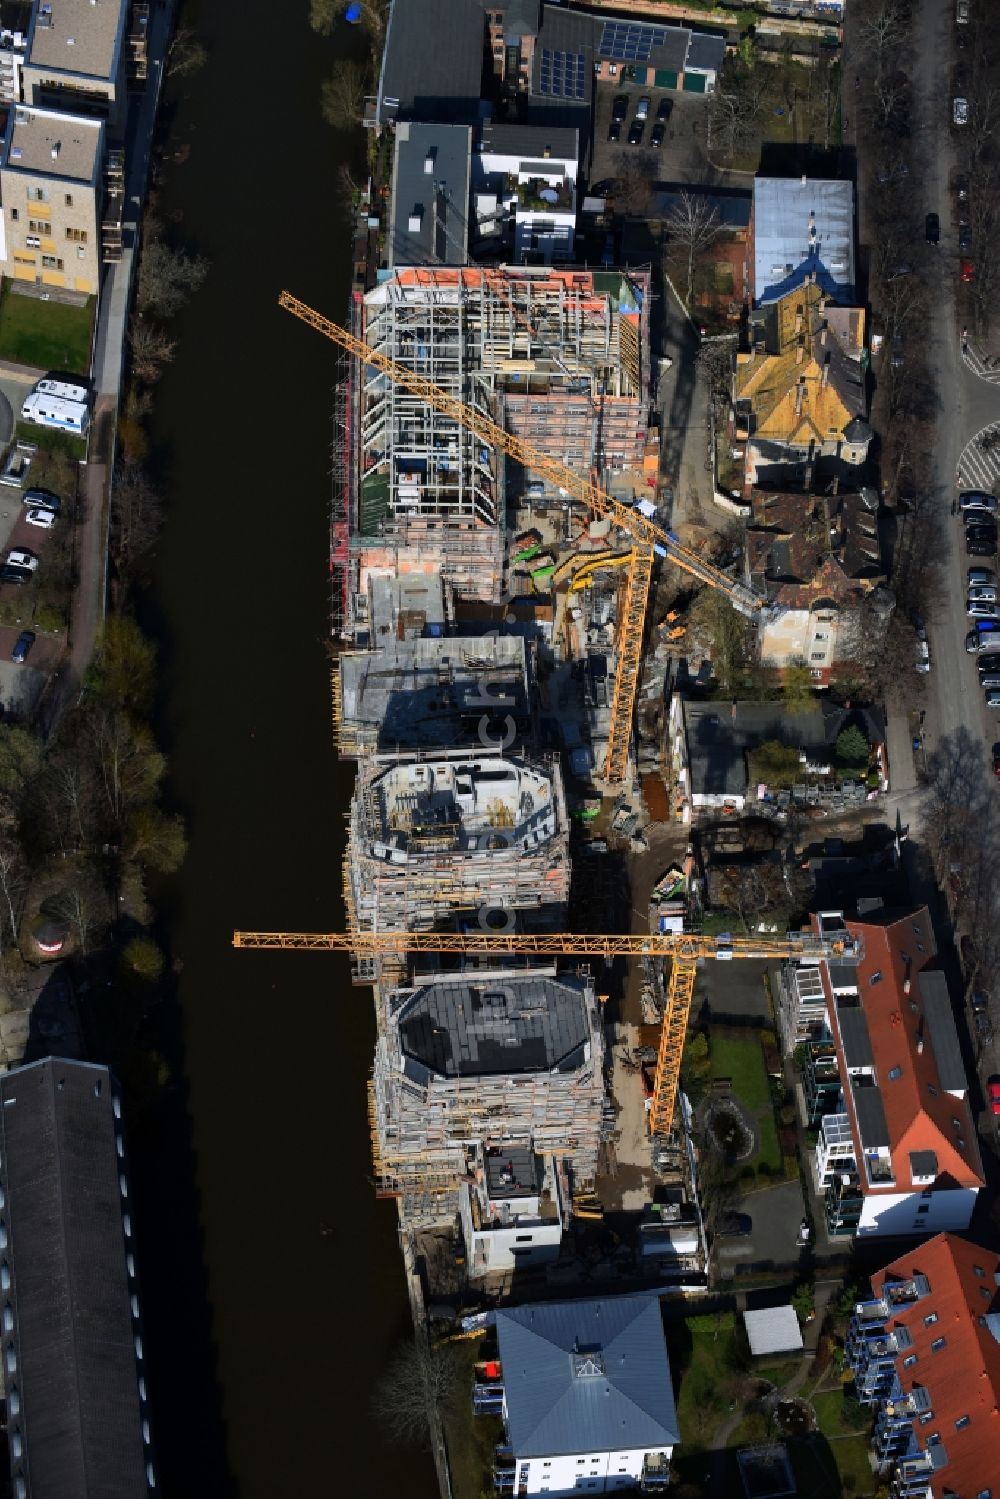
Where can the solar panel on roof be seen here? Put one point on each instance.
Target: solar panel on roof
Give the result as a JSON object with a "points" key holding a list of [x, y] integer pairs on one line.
{"points": [[562, 74], [629, 42]]}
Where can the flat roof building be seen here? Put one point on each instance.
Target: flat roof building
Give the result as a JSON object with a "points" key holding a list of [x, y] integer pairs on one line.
{"points": [[76, 57], [803, 227], [429, 222], [77, 1418], [51, 167], [432, 62]]}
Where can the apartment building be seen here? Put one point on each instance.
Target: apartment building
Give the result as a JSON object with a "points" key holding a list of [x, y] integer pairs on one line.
{"points": [[77, 1412], [802, 230], [76, 59], [524, 184], [51, 185], [925, 1351], [586, 1397], [897, 1151]]}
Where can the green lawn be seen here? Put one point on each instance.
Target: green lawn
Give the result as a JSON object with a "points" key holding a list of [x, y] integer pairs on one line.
{"points": [[779, 1373], [47, 335], [741, 1059], [707, 1375], [850, 1451], [470, 1439], [768, 1149], [827, 1469]]}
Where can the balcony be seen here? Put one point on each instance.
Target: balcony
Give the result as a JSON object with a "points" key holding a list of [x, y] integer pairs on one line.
{"points": [[655, 1471], [879, 1171], [538, 195]]}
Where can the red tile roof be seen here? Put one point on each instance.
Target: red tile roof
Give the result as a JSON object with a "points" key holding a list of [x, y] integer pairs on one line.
{"points": [[919, 1112], [962, 1378]]}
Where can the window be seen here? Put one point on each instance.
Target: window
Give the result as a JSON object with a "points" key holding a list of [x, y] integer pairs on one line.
{"points": [[818, 656], [52, 263], [978, 1270], [894, 1074], [15, 215], [522, 1239], [68, 200], [938, 1344], [39, 226], [962, 1423], [876, 977], [930, 1319], [78, 236], [909, 1360], [985, 1494], [934, 1440], [926, 1418], [38, 195], [932, 1090], [924, 1207]]}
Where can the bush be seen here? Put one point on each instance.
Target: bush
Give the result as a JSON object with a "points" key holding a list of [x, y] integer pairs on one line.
{"points": [[143, 958]]}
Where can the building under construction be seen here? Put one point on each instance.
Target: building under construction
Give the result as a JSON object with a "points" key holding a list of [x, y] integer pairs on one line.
{"points": [[453, 832], [488, 1097], [560, 358]]}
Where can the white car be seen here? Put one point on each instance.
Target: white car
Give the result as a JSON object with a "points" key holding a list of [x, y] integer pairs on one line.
{"points": [[981, 577], [44, 518], [962, 12], [975, 610], [21, 558], [982, 594], [923, 662], [960, 111]]}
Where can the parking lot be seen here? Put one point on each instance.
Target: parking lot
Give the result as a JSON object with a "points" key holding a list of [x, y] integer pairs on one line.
{"points": [[683, 156]]}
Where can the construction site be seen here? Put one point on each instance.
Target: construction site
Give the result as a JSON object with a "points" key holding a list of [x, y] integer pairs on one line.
{"points": [[496, 532]]}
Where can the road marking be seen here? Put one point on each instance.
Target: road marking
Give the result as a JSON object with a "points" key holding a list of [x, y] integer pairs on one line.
{"points": [[979, 466], [973, 362]]}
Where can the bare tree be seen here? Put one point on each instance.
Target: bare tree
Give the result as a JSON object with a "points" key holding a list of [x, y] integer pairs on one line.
{"points": [[186, 54], [342, 97], [83, 906], [151, 348], [324, 15], [693, 225], [136, 516], [419, 1385], [167, 278], [881, 35], [735, 115]]}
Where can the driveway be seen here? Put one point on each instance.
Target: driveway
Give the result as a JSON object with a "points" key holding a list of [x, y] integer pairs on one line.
{"points": [[734, 991], [776, 1213]]}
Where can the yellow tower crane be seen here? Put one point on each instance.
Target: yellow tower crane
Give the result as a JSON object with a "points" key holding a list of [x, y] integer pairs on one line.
{"points": [[685, 949], [649, 539]]}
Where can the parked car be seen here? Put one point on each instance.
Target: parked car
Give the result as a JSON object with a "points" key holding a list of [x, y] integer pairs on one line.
{"points": [[897, 358], [996, 761], [966, 271], [978, 577], [979, 640], [986, 626], [45, 519], [993, 1093], [964, 237], [990, 681], [979, 543], [993, 698], [664, 108], [983, 593], [620, 108], [735, 1225], [980, 1000], [962, 187], [22, 645], [10, 574], [977, 499], [635, 133], [923, 662], [960, 110], [41, 499], [642, 108], [656, 135], [981, 610], [989, 662], [985, 1032], [962, 12], [932, 229], [21, 557], [615, 130]]}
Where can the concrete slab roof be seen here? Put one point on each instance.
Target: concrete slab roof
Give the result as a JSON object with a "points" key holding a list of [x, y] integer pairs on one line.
{"points": [[45, 143], [773, 1329], [430, 208], [77, 36]]}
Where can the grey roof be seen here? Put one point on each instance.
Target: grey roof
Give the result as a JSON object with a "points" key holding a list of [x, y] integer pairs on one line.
{"points": [[571, 33], [486, 1026], [432, 62], [941, 1031], [520, 17], [871, 1114], [923, 1163], [430, 692], [512, 1171], [732, 205], [857, 430], [705, 52], [439, 198], [719, 733], [74, 1335], [532, 142], [560, 1401], [773, 1329], [855, 1037], [784, 253]]}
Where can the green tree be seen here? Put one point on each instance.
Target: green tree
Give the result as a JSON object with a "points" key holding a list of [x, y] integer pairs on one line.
{"points": [[775, 763], [852, 747], [797, 690], [123, 672], [803, 1300], [142, 957], [20, 757]]}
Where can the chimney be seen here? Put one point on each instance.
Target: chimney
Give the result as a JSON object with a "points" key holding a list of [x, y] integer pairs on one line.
{"points": [[804, 179], [836, 490], [799, 350], [798, 320], [56, 148], [826, 373], [822, 336], [800, 391]]}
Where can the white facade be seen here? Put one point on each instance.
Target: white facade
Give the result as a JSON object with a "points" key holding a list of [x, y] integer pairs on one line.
{"points": [[587, 1473], [888, 1213], [512, 1232], [537, 194]]}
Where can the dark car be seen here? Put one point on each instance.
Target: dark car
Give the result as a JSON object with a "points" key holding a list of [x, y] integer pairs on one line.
{"points": [[41, 499], [656, 135], [965, 238], [978, 500], [9, 574], [989, 664], [735, 1225], [635, 133], [962, 188], [980, 1000], [981, 544], [932, 228], [615, 130], [620, 107], [22, 645], [996, 760], [664, 108]]}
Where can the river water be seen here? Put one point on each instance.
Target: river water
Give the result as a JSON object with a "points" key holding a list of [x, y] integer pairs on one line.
{"points": [[267, 1392]]}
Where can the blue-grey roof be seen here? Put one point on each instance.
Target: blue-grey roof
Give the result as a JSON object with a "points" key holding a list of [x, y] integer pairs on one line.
{"points": [[854, 1035], [942, 1034], [560, 1401], [705, 52], [871, 1114], [785, 249], [439, 198]]}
